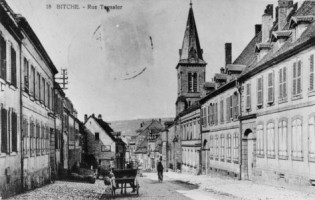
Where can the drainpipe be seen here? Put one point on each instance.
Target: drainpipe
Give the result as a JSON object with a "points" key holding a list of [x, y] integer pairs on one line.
{"points": [[21, 122], [239, 87], [200, 155]]}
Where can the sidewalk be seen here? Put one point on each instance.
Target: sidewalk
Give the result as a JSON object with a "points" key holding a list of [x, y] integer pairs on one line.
{"points": [[238, 189]]}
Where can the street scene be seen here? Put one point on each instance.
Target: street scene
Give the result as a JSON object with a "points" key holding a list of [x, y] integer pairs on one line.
{"points": [[116, 99]]}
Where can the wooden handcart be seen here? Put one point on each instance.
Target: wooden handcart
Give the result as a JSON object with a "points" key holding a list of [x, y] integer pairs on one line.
{"points": [[125, 178]]}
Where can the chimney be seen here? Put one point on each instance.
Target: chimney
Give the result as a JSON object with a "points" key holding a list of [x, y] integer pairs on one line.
{"points": [[93, 115], [99, 116], [228, 53], [85, 118], [284, 9], [267, 23], [160, 120], [257, 28]]}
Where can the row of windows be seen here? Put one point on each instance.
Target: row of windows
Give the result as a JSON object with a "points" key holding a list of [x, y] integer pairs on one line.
{"points": [[282, 83], [223, 146], [211, 114], [8, 61], [8, 129], [36, 85], [35, 138], [191, 130], [190, 157], [296, 132]]}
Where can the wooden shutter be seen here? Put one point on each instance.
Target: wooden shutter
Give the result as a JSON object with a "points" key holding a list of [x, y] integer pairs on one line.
{"points": [[13, 67], [231, 107], [312, 72], [209, 122], [281, 83], [299, 80], [259, 91], [235, 106], [270, 88], [201, 117], [284, 79], [294, 79], [4, 132], [221, 111], [14, 132], [248, 96], [227, 109], [3, 58]]}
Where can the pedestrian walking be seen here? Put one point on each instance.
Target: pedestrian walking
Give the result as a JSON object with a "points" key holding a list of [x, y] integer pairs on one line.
{"points": [[160, 169]]}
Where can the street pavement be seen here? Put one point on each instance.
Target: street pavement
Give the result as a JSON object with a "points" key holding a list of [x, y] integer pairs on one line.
{"points": [[149, 189]]}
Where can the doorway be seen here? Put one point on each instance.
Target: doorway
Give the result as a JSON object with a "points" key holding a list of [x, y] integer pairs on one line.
{"points": [[250, 153]]}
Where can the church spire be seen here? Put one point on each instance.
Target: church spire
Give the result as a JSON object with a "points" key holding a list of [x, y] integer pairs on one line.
{"points": [[191, 51]]}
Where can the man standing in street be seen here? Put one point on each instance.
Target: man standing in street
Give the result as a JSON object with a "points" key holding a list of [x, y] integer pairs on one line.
{"points": [[160, 170]]}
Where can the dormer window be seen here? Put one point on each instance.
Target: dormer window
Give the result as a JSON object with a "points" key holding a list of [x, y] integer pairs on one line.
{"points": [[279, 37], [262, 49], [299, 25]]}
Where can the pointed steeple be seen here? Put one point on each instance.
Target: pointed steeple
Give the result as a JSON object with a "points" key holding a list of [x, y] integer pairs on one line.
{"points": [[191, 51]]}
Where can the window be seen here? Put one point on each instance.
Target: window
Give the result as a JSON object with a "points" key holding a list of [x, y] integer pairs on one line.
{"points": [[97, 136], [270, 87], [229, 147], [4, 130], [260, 140], [222, 147], [190, 82], [283, 83], [42, 90], [26, 76], [195, 82], [209, 115], [297, 148], [312, 86], [37, 85], [217, 146], [204, 118], [37, 139], [14, 131], [297, 82], [271, 140], [13, 68], [235, 100], [248, 96], [3, 58], [235, 147], [32, 83], [311, 132], [221, 111], [228, 109], [215, 113], [231, 107], [283, 139], [32, 133], [260, 91], [211, 147]]}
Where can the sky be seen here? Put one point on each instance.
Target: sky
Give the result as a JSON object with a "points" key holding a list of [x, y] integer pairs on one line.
{"points": [[121, 63]]}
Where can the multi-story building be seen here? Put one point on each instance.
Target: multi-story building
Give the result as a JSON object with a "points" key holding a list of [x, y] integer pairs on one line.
{"points": [[278, 99], [10, 104]]}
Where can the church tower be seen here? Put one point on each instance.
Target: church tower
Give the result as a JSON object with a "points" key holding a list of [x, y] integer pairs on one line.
{"points": [[191, 68]]}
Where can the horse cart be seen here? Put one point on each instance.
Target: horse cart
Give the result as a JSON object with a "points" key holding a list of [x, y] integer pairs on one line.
{"points": [[125, 178]]}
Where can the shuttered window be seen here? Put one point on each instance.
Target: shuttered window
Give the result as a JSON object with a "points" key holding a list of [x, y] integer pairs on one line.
{"points": [[14, 132], [38, 85], [235, 147], [271, 140], [222, 111], [248, 96], [231, 107], [211, 114], [283, 83], [13, 67], [312, 73], [37, 139], [236, 106], [283, 139], [259, 91], [26, 76], [297, 81], [32, 81], [270, 87], [42, 89], [297, 139], [260, 140], [4, 130], [3, 58], [209, 120], [227, 109]]}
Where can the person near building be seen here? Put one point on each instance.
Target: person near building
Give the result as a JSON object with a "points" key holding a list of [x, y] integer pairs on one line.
{"points": [[160, 169]]}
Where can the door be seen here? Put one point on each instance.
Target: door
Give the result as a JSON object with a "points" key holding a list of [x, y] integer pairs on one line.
{"points": [[250, 155]]}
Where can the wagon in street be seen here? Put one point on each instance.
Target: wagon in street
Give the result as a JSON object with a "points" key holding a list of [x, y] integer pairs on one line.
{"points": [[125, 178]]}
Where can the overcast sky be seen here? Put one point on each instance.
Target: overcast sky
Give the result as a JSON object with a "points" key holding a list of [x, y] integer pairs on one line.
{"points": [[103, 51]]}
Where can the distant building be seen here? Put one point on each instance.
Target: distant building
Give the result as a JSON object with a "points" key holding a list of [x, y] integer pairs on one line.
{"points": [[102, 144]]}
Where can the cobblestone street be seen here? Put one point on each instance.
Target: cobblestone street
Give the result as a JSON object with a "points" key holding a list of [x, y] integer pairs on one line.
{"points": [[149, 189]]}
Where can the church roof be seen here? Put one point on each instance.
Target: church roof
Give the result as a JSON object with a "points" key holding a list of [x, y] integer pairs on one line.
{"points": [[191, 51]]}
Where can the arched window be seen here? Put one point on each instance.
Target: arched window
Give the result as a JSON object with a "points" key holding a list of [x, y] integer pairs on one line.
{"points": [[260, 140], [283, 139], [311, 132], [297, 148], [271, 140]]}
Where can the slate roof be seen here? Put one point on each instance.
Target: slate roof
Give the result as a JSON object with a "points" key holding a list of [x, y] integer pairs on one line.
{"points": [[235, 67], [191, 51], [275, 55], [219, 76], [209, 85], [142, 148], [105, 126]]}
